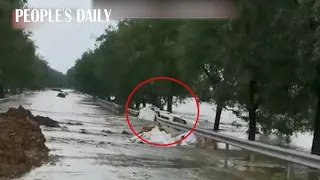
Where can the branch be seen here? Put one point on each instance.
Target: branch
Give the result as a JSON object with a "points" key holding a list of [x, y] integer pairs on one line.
{"points": [[237, 113], [212, 80]]}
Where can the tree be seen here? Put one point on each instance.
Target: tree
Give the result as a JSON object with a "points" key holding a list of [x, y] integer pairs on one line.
{"points": [[262, 66], [20, 66]]}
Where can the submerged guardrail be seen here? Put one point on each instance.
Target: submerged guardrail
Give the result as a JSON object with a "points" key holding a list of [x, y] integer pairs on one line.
{"points": [[288, 155]]}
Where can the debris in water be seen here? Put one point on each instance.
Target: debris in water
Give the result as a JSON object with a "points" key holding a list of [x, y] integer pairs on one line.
{"points": [[83, 131], [155, 136], [75, 124], [142, 174], [145, 129], [125, 132], [64, 128], [107, 131], [149, 128], [62, 95], [101, 143], [160, 135]]}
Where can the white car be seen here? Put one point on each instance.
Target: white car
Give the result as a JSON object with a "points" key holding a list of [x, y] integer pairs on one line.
{"points": [[175, 118]]}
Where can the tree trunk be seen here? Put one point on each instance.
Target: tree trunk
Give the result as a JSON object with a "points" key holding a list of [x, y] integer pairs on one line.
{"points": [[121, 101], [159, 103], [1, 91], [137, 103], [214, 82], [252, 107], [153, 99], [169, 103], [316, 135], [132, 105], [13, 90], [252, 125], [218, 116], [144, 101]]}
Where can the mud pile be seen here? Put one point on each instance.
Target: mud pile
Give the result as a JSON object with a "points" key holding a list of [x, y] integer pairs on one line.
{"points": [[22, 113], [46, 121], [22, 145]]}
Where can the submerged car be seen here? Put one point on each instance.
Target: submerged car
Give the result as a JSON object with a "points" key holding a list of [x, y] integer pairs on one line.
{"points": [[62, 95]]}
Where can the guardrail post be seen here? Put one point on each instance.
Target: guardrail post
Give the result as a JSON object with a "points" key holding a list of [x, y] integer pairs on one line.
{"points": [[226, 163], [251, 161], [289, 171], [226, 158]]}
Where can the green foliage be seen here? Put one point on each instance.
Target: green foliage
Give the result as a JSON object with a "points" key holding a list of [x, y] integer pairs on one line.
{"points": [[265, 62], [20, 66]]}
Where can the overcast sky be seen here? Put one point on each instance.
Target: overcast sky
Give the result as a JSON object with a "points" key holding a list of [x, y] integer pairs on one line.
{"points": [[62, 44]]}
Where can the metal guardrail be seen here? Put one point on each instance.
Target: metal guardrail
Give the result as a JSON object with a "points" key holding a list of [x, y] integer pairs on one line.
{"points": [[133, 112], [115, 107], [109, 103], [289, 155], [110, 106]]}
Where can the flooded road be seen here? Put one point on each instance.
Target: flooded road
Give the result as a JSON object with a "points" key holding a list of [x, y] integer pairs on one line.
{"points": [[91, 145]]}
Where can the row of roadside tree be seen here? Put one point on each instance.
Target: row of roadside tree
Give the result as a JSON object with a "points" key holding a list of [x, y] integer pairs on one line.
{"points": [[21, 67], [264, 66]]}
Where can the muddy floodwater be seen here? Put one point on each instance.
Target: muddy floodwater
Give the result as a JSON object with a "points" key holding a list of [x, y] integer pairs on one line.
{"points": [[91, 145]]}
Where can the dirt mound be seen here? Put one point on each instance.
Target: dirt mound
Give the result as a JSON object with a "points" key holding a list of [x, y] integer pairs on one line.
{"points": [[19, 112], [22, 113], [22, 145], [46, 121]]}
